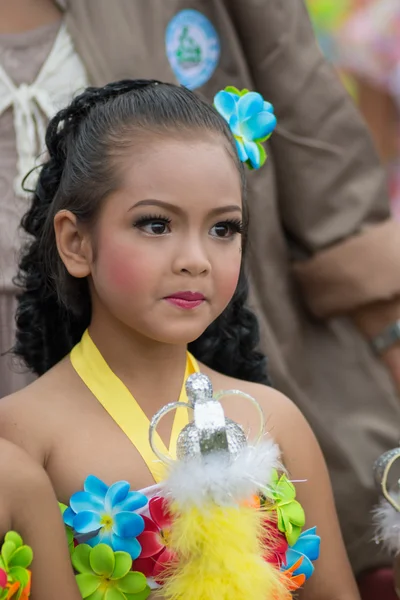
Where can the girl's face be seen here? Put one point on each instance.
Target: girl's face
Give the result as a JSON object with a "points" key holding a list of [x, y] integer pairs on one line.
{"points": [[168, 243]]}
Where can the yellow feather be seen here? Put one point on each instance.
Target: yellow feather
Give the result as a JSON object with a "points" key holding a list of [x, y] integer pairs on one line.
{"points": [[220, 556]]}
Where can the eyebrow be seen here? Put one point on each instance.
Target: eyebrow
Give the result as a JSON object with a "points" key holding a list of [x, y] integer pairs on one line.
{"points": [[176, 209]]}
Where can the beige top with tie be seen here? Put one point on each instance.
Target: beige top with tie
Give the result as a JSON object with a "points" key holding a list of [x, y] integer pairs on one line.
{"points": [[32, 88]]}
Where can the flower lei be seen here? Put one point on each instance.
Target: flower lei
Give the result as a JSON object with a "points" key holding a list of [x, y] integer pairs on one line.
{"points": [[296, 550], [126, 553], [127, 550], [15, 577]]}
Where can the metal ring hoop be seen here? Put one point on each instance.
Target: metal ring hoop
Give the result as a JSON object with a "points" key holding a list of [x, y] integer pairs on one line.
{"points": [[385, 475], [154, 424], [254, 402]]}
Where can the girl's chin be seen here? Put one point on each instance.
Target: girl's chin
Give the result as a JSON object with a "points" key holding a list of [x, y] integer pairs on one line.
{"points": [[178, 336], [175, 340]]}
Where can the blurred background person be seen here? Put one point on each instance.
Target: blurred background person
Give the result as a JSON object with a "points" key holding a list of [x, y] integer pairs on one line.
{"points": [[39, 72]]}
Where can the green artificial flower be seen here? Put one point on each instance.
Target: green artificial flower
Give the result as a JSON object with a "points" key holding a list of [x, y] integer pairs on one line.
{"points": [[68, 530], [282, 494], [106, 575], [15, 558]]}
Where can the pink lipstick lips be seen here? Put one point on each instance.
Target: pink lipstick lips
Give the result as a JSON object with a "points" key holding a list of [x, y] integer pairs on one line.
{"points": [[186, 300]]}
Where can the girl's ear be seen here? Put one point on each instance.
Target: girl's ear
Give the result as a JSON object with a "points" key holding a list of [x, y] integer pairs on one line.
{"points": [[73, 244]]}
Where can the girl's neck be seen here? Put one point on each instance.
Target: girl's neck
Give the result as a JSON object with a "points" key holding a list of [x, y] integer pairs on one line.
{"points": [[18, 16], [152, 371]]}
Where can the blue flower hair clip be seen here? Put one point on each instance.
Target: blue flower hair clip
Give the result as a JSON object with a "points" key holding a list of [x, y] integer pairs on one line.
{"points": [[251, 120]]}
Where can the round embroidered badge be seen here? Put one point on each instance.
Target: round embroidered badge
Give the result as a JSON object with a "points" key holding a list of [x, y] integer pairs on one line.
{"points": [[193, 48]]}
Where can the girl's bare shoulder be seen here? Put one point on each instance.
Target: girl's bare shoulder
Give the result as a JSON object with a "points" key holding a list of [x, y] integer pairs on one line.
{"points": [[27, 417]]}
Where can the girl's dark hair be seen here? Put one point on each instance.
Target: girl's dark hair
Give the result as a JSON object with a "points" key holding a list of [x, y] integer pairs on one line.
{"points": [[84, 142]]}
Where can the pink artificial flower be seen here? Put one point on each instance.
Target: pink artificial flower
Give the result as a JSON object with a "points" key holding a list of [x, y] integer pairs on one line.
{"points": [[276, 544], [3, 579], [155, 556]]}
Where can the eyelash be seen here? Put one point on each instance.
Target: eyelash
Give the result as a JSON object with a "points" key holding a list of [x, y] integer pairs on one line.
{"points": [[146, 219], [235, 225]]}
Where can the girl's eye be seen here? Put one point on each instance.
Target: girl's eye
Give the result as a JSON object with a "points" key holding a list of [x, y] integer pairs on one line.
{"points": [[227, 229], [153, 225]]}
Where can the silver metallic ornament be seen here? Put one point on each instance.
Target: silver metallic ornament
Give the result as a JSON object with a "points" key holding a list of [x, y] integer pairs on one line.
{"points": [[382, 468], [209, 431]]}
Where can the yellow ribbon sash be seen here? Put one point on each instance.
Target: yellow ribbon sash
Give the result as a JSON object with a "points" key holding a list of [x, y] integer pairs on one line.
{"points": [[122, 407]]}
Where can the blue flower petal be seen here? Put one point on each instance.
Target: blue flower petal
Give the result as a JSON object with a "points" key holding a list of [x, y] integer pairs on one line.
{"points": [[106, 536], [234, 125], [225, 104], [103, 537], [241, 151], [128, 524], [68, 516], [93, 541], [250, 104], [308, 544], [133, 501], [258, 126], [130, 545], [306, 568], [291, 557], [95, 486], [253, 153], [87, 521], [311, 531], [268, 106], [116, 493], [85, 501]]}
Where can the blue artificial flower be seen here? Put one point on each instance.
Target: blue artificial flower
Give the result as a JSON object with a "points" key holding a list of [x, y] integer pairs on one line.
{"points": [[109, 514], [306, 547], [251, 120]]}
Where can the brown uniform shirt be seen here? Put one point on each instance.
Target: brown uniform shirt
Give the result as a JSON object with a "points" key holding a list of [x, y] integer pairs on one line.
{"points": [[321, 239]]}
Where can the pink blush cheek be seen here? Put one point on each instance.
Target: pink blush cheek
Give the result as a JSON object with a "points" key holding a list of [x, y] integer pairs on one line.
{"points": [[125, 272], [227, 284]]}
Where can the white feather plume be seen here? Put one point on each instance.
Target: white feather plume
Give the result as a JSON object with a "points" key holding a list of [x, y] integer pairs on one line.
{"points": [[387, 522], [220, 478]]}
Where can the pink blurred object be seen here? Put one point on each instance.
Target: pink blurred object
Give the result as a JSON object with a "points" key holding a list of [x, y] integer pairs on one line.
{"points": [[3, 579], [377, 585], [369, 47]]}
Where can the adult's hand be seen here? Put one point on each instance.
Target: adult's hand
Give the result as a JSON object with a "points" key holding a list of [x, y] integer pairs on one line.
{"points": [[371, 320]]}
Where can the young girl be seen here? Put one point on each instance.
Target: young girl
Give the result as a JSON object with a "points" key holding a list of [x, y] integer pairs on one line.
{"points": [[138, 229]]}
